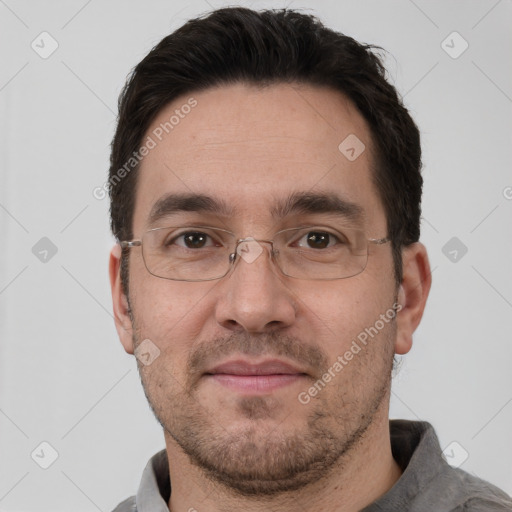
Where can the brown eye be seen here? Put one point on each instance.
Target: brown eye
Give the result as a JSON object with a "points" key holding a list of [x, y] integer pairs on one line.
{"points": [[317, 240], [193, 240]]}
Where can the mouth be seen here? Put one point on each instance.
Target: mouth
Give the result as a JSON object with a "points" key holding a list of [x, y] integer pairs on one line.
{"points": [[255, 378]]}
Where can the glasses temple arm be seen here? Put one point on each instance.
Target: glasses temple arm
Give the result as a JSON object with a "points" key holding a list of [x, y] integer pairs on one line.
{"points": [[130, 243]]}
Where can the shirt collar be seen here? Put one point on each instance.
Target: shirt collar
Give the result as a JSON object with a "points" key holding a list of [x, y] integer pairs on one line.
{"points": [[155, 486], [416, 450]]}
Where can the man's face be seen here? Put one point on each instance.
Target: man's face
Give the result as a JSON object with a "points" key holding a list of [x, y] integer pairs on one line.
{"points": [[251, 149]]}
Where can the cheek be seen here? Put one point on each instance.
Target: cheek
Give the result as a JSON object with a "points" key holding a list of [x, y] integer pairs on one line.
{"points": [[340, 311], [342, 302], [171, 314]]}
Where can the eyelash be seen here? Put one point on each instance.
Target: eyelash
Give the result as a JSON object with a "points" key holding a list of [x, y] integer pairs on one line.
{"points": [[303, 234]]}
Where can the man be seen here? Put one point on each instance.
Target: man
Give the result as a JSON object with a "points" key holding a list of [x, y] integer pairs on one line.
{"points": [[265, 192]]}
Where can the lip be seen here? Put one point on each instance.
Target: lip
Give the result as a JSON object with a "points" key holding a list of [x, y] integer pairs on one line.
{"points": [[255, 378], [267, 367]]}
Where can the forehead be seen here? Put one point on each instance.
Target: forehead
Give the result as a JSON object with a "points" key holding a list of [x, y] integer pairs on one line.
{"points": [[252, 147]]}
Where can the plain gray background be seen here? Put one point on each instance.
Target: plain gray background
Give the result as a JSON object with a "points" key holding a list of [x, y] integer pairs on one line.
{"points": [[64, 378]]}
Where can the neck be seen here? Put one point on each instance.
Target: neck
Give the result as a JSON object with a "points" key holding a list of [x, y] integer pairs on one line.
{"points": [[367, 472]]}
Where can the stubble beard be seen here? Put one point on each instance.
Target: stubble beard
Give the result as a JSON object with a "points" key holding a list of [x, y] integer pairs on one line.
{"points": [[263, 460]]}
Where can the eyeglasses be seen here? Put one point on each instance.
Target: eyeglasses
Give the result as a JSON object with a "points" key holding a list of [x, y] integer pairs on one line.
{"points": [[204, 253]]}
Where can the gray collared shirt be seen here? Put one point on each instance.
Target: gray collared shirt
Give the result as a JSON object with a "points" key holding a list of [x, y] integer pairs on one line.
{"points": [[428, 482]]}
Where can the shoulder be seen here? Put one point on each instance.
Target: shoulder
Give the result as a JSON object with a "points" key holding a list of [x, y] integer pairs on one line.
{"points": [[127, 505], [480, 495], [429, 483]]}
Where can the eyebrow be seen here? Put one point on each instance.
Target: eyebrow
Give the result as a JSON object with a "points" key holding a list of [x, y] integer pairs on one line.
{"points": [[176, 203], [295, 203], [318, 202]]}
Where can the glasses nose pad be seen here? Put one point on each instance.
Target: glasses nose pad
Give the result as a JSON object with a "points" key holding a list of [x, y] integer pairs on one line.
{"points": [[249, 249]]}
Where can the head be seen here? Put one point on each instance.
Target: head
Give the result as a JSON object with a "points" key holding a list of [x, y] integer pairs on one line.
{"points": [[242, 116]]}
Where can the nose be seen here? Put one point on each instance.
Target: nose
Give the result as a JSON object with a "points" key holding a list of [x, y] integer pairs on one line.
{"points": [[254, 296]]}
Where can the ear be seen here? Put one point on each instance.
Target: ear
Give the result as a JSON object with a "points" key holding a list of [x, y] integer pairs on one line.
{"points": [[412, 294], [120, 301]]}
